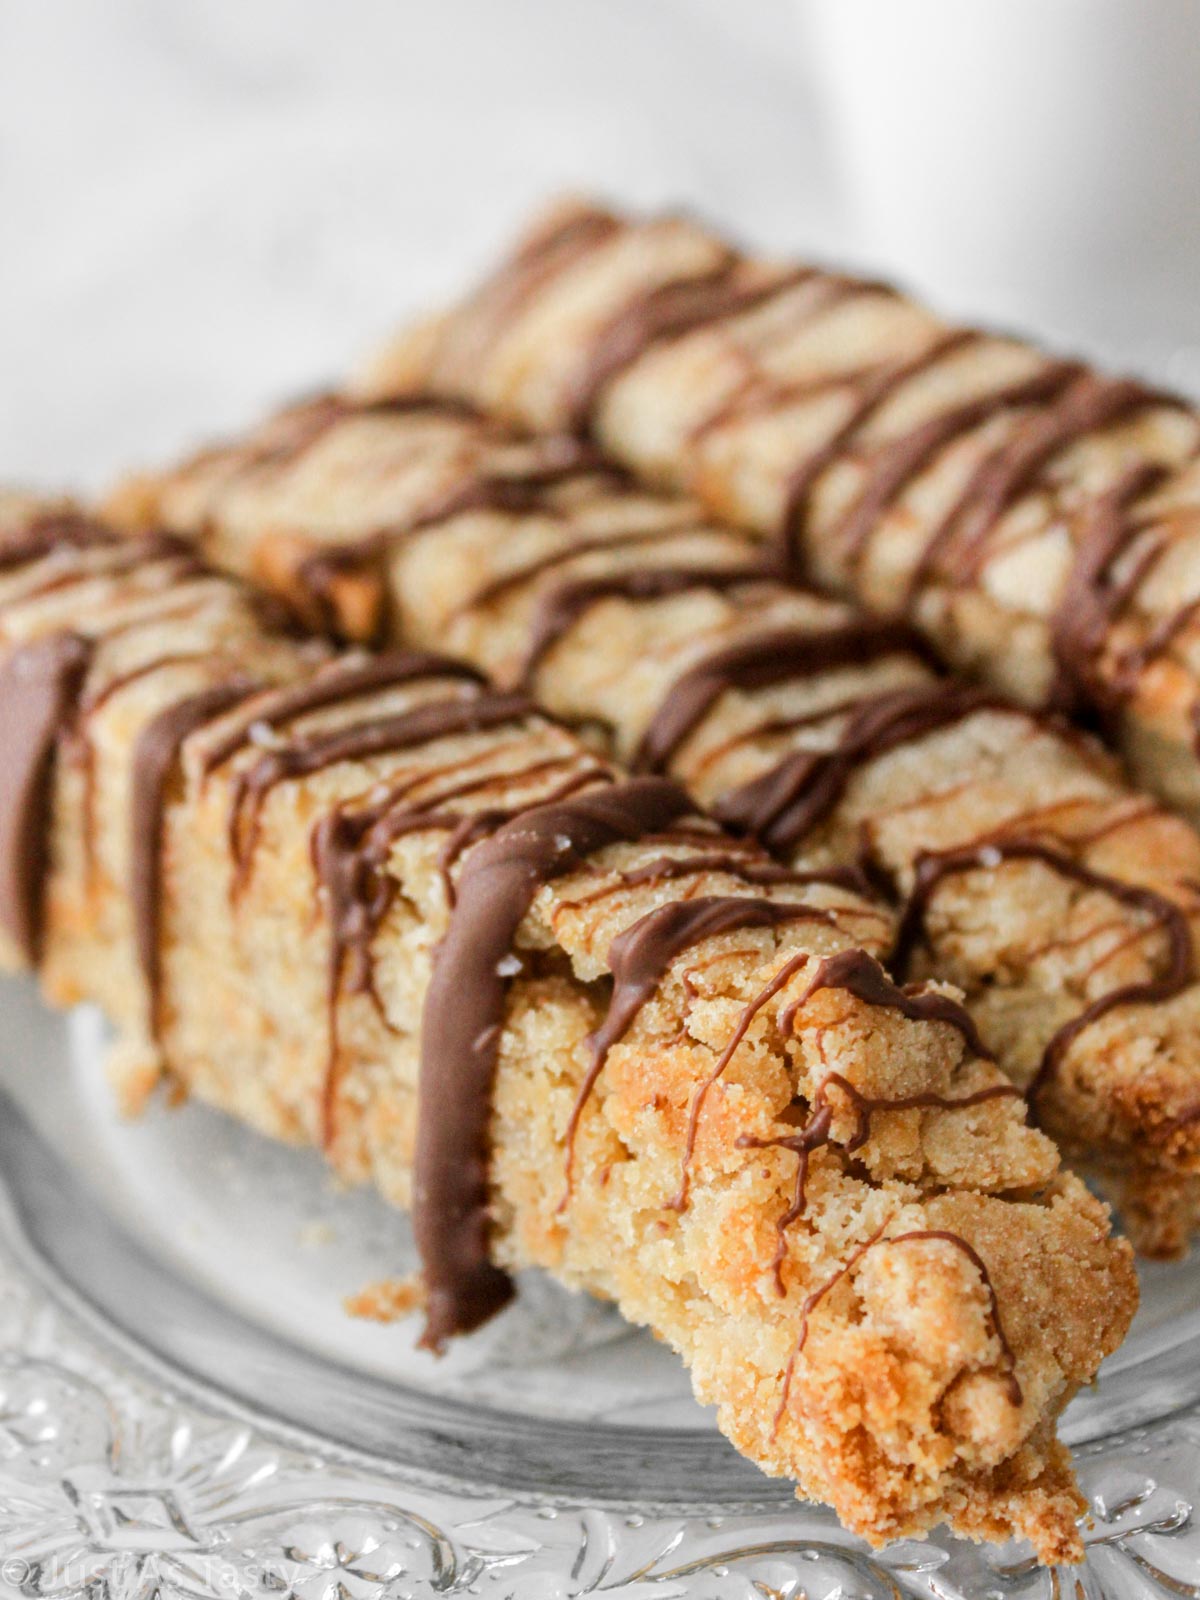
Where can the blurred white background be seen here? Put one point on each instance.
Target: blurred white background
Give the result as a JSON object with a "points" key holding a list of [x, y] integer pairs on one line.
{"points": [[208, 207]]}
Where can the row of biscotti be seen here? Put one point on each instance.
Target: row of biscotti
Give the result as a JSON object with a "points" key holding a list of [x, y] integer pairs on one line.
{"points": [[373, 904], [1018, 864], [1038, 520]]}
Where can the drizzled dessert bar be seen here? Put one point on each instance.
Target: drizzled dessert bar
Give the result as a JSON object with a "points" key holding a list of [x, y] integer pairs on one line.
{"points": [[1015, 861], [1036, 519], [372, 904]]}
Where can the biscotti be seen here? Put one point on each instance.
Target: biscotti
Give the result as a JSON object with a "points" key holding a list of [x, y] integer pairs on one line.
{"points": [[1019, 865], [372, 904], [1038, 520]]}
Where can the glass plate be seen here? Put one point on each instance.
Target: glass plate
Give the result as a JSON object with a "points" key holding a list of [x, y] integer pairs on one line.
{"points": [[185, 1409]]}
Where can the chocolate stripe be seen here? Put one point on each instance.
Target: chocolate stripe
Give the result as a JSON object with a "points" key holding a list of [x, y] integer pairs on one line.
{"points": [[1091, 600], [932, 869], [901, 460], [640, 956], [463, 1020], [668, 311], [333, 685], [785, 803], [862, 976], [361, 741], [38, 538], [770, 658], [561, 608], [40, 684]]}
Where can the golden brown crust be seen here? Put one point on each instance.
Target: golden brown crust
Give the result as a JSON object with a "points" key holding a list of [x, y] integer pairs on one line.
{"points": [[1023, 1290]]}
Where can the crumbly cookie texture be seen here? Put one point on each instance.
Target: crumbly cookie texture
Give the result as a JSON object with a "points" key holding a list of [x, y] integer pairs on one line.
{"points": [[1038, 520], [1025, 870], [683, 1080]]}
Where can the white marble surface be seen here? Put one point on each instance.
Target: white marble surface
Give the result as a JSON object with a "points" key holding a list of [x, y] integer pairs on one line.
{"points": [[205, 207]]}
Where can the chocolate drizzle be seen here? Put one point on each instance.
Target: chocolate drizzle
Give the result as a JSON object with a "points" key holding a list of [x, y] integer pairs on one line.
{"points": [[816, 1130], [1089, 402], [1092, 599], [872, 395], [403, 730], [55, 530], [510, 493], [860, 975], [917, 1235], [561, 608], [572, 549], [667, 312], [462, 1024], [897, 463], [40, 685], [932, 869], [640, 956], [336, 683], [784, 804], [350, 851], [155, 753], [546, 255], [769, 658]]}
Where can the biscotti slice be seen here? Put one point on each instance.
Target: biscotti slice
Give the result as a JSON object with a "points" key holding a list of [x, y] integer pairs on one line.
{"points": [[1039, 520], [372, 904], [1018, 864]]}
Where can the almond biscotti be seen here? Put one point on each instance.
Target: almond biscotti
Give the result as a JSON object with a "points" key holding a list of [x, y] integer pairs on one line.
{"points": [[1019, 865], [1038, 520], [372, 904]]}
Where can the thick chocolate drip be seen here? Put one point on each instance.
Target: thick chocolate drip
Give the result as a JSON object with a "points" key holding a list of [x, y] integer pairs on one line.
{"points": [[155, 753], [769, 658], [560, 609], [350, 851], [790, 799], [640, 956], [933, 869], [669, 311], [462, 1024], [404, 730], [335, 684], [1091, 600], [40, 684]]}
